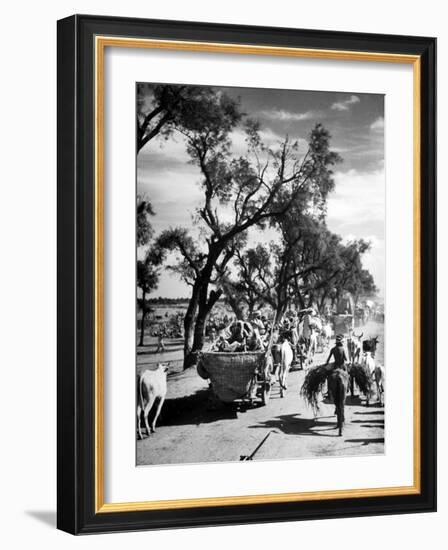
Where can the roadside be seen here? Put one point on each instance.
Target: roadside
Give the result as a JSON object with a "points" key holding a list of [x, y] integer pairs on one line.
{"points": [[192, 429]]}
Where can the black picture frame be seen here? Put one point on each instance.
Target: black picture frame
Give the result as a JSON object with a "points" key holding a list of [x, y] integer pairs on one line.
{"points": [[76, 257]]}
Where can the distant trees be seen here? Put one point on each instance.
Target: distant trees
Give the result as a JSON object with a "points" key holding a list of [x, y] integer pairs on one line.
{"points": [[148, 269], [243, 293], [353, 277], [308, 265]]}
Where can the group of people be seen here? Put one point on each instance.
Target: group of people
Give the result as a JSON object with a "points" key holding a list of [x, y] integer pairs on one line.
{"points": [[304, 330], [242, 335]]}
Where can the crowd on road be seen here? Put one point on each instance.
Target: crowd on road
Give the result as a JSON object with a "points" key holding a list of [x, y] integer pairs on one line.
{"points": [[305, 330]]}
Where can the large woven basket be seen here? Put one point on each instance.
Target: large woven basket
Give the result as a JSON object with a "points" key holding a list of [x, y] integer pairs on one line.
{"points": [[231, 374]]}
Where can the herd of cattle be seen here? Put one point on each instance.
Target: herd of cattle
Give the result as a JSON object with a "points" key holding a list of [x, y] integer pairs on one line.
{"points": [[152, 383]]}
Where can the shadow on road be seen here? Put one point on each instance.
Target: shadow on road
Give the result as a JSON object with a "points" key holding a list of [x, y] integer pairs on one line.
{"points": [[371, 420], [350, 401], [291, 424], [196, 408], [372, 411], [380, 426]]}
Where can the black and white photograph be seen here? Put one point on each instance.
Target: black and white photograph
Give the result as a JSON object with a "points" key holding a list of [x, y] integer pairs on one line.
{"points": [[220, 308], [260, 274]]}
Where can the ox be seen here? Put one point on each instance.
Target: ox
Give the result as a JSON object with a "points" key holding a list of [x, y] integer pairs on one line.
{"points": [[151, 392], [327, 333], [370, 345], [312, 346], [282, 355], [368, 362], [337, 386], [379, 376], [354, 347]]}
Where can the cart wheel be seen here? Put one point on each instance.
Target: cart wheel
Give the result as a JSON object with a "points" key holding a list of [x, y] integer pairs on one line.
{"points": [[266, 393]]}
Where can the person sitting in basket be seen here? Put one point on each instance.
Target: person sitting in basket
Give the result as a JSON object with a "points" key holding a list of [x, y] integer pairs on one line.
{"points": [[237, 341], [223, 345], [255, 342]]}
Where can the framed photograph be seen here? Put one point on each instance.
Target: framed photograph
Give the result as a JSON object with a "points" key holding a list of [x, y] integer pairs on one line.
{"points": [[246, 274]]}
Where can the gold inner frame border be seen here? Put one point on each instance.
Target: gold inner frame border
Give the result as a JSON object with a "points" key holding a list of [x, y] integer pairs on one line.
{"points": [[101, 42]]}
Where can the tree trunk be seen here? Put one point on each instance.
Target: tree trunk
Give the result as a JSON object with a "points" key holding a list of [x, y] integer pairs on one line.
{"points": [[189, 320], [199, 331], [205, 305], [280, 311], [235, 304], [251, 308], [199, 309], [142, 326]]}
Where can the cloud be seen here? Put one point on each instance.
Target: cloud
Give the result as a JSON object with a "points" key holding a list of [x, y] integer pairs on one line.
{"points": [[375, 261], [239, 144], [359, 198], [377, 125], [268, 137], [287, 116], [356, 209], [345, 105]]}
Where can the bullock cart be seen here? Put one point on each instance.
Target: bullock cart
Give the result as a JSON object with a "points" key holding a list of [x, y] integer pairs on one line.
{"points": [[238, 377]]}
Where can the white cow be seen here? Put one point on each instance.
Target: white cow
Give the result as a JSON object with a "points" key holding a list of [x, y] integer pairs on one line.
{"points": [[151, 391], [313, 344], [368, 362], [379, 375], [354, 346], [285, 365], [327, 334]]}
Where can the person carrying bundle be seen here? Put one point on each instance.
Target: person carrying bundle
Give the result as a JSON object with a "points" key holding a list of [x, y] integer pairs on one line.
{"points": [[337, 353]]}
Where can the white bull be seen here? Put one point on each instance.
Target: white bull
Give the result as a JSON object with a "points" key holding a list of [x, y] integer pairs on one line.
{"points": [[379, 375], [285, 365], [151, 392], [326, 335], [369, 363]]}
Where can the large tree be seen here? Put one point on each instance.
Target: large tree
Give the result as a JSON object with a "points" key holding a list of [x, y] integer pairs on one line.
{"points": [[238, 194], [148, 268]]}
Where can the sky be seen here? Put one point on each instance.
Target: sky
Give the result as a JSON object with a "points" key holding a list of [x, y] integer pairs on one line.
{"points": [[356, 208]]}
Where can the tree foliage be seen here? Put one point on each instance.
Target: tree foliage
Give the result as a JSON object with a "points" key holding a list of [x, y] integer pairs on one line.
{"points": [[145, 230], [308, 266], [162, 108], [282, 187]]}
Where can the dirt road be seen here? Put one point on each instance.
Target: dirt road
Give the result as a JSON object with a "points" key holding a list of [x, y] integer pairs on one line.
{"points": [[193, 430]]}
